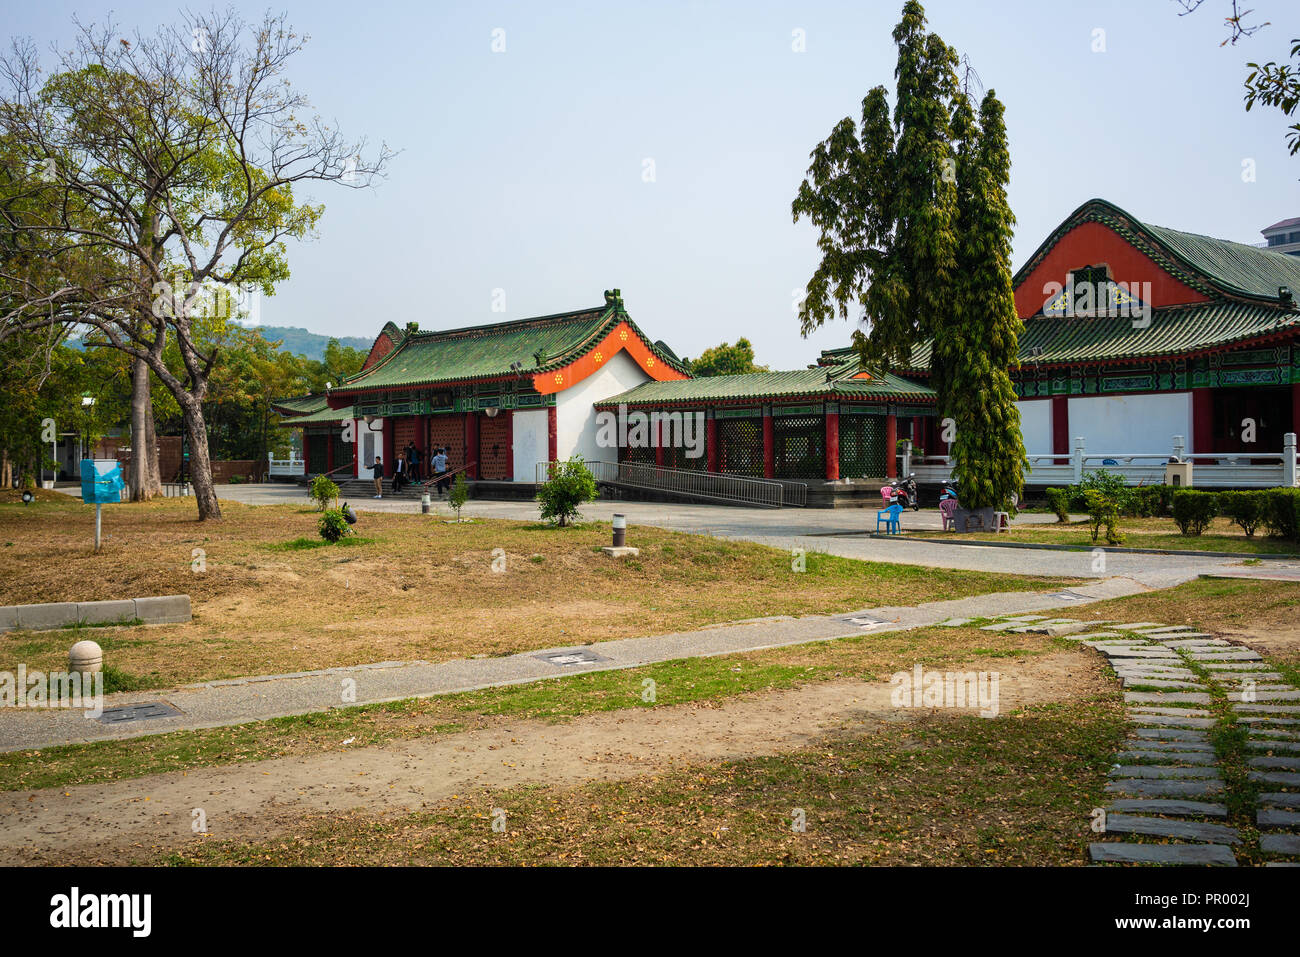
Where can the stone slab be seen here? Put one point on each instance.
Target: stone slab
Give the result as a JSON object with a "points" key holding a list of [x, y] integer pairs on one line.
{"points": [[1148, 787], [1275, 762], [44, 617], [1162, 827], [163, 609], [1171, 734], [1178, 757], [1194, 747], [1285, 778], [1158, 697], [1140, 681], [1170, 721], [1169, 806], [1277, 817], [105, 612], [1219, 855], [1287, 799], [1275, 746], [1279, 843], [1162, 771]]}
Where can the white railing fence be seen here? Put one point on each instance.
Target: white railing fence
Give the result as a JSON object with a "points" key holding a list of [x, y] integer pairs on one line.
{"points": [[290, 466], [1209, 470]]}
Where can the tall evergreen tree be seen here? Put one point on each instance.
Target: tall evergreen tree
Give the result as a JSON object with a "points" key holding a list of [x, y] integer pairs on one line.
{"points": [[913, 217]]}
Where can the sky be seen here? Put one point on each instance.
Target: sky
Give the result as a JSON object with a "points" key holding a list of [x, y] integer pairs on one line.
{"points": [[656, 147]]}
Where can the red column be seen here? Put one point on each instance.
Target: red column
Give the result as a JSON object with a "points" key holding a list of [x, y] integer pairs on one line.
{"points": [[1203, 421], [832, 446], [552, 435], [1060, 424], [711, 444], [471, 444], [769, 446], [891, 446], [389, 448]]}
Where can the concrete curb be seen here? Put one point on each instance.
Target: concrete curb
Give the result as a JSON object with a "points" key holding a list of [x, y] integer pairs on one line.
{"points": [[156, 610], [1118, 550]]}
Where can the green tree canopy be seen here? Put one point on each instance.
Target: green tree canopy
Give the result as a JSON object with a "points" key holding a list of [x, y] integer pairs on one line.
{"points": [[725, 359]]}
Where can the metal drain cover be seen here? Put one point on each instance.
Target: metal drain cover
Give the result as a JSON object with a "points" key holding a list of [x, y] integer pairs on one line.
{"points": [[567, 659], [867, 621], [1068, 596], [137, 712]]}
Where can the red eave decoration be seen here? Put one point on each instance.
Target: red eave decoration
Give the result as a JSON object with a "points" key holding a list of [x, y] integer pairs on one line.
{"points": [[623, 337]]}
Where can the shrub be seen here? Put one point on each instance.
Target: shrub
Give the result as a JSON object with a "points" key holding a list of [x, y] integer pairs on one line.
{"points": [[570, 485], [1058, 500], [459, 494], [334, 525], [1146, 501], [1247, 509], [1194, 510], [324, 491], [1282, 512], [1103, 510]]}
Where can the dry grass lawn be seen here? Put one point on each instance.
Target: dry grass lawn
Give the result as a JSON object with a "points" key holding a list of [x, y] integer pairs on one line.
{"points": [[415, 587]]}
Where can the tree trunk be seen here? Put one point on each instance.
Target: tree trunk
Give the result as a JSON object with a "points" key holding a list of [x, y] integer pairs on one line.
{"points": [[205, 493], [142, 480], [152, 476]]}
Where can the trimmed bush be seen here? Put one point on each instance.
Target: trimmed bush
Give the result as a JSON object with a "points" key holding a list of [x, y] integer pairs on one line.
{"points": [[1194, 510], [1282, 512], [1103, 510], [570, 485], [1058, 500], [334, 525], [1146, 501], [1247, 509], [324, 491]]}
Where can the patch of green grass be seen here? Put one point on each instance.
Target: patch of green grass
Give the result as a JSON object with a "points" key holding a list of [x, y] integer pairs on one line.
{"points": [[303, 544]]}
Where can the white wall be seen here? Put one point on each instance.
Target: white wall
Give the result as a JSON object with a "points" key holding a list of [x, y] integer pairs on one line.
{"points": [[1131, 423], [576, 419], [1036, 425], [530, 442]]}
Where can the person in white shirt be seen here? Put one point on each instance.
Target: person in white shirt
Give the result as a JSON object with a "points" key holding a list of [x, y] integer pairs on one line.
{"points": [[440, 470]]}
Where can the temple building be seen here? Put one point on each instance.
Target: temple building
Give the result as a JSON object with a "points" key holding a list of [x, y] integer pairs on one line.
{"points": [[1140, 343]]}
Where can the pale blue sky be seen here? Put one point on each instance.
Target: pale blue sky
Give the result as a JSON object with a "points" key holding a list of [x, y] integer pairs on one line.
{"points": [[523, 170]]}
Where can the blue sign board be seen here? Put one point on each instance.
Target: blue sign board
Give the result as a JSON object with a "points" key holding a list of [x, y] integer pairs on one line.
{"points": [[101, 481]]}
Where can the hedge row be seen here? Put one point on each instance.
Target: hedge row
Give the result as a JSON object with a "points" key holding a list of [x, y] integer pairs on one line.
{"points": [[1275, 509]]}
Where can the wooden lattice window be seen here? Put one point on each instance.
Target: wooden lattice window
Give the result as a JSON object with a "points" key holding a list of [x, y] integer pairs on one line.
{"points": [[800, 446]]}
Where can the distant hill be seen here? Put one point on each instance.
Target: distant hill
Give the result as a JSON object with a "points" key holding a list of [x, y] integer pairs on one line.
{"points": [[300, 341], [309, 344]]}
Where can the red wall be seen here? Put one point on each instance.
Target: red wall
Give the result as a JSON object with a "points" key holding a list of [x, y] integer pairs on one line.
{"points": [[1093, 244]]}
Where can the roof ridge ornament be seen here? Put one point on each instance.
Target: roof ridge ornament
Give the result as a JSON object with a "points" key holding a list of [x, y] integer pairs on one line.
{"points": [[614, 299]]}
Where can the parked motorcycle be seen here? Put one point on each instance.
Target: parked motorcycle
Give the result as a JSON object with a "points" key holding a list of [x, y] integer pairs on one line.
{"points": [[948, 490], [904, 494]]}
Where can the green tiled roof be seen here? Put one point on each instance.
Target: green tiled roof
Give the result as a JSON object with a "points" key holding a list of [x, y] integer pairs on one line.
{"points": [[819, 383], [1206, 264], [309, 410], [540, 344]]}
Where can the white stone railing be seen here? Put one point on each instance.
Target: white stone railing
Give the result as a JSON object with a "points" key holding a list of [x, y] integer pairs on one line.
{"points": [[289, 466], [1209, 470]]}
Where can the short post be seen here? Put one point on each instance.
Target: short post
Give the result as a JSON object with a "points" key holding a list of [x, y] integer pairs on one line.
{"points": [[1180, 448], [424, 501], [1077, 459], [620, 529], [98, 509], [86, 657], [1288, 460]]}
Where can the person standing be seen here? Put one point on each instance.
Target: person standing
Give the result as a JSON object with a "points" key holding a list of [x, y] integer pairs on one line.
{"points": [[379, 477], [399, 473], [440, 470]]}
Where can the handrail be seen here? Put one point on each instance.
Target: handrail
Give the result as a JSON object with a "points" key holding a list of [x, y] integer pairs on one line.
{"points": [[446, 475], [694, 483]]}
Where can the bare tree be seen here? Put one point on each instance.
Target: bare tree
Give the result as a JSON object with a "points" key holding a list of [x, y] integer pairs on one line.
{"points": [[165, 167], [1235, 20]]}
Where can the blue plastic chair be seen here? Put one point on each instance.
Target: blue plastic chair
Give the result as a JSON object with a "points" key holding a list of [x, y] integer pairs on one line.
{"points": [[890, 517]]}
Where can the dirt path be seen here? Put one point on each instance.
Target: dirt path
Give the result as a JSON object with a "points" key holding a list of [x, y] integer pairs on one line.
{"points": [[125, 819]]}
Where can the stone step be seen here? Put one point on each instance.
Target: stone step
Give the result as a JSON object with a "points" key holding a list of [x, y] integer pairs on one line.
{"points": [[1135, 625], [1147, 787], [1170, 806], [1162, 771], [1275, 746], [1253, 719], [1284, 799], [1171, 734], [1274, 734], [1162, 827], [1162, 697], [1276, 762], [1235, 666], [1277, 817], [1254, 707], [1175, 757], [1287, 779], [1279, 843], [1185, 746], [1213, 854], [1169, 721], [1142, 681], [1141, 710]]}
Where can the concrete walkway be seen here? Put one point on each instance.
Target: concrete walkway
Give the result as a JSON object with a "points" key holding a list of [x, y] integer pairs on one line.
{"points": [[252, 699], [843, 532]]}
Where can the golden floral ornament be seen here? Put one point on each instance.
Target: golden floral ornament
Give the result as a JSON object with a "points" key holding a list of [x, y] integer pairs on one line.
{"points": [[623, 335], [599, 357], [559, 378], [650, 362]]}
